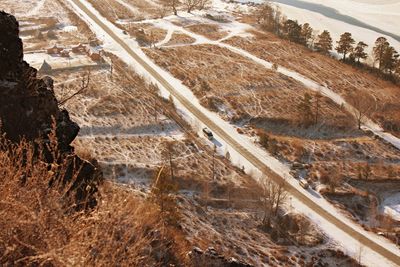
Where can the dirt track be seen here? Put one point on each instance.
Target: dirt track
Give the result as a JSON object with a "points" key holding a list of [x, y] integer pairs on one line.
{"points": [[239, 148]]}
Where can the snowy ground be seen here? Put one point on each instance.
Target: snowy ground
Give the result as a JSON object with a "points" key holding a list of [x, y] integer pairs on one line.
{"points": [[366, 20], [350, 244], [58, 62], [391, 206]]}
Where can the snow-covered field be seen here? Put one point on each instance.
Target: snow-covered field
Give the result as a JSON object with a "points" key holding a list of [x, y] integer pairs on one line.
{"points": [[365, 19], [350, 245]]}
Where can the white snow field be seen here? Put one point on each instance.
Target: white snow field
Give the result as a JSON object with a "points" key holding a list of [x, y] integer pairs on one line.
{"points": [[117, 43], [391, 206], [365, 19]]}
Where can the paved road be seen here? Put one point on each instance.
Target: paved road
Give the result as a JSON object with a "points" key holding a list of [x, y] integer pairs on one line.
{"points": [[239, 148]]}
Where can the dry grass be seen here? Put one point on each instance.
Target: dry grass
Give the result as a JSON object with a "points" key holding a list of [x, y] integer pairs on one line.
{"points": [[347, 155], [180, 38], [340, 77], [60, 14], [211, 31], [145, 31], [140, 10], [112, 10], [38, 227], [239, 89]]}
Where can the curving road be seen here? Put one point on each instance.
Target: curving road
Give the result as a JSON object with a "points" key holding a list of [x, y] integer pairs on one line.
{"points": [[238, 147]]}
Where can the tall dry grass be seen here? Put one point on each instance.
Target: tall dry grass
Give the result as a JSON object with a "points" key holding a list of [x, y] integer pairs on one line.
{"points": [[39, 228]]}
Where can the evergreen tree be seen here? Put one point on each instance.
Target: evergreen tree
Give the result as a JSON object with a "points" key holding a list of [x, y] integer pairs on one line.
{"points": [[359, 52], [306, 33], [389, 59], [397, 68], [345, 44], [292, 30], [324, 42], [381, 45]]}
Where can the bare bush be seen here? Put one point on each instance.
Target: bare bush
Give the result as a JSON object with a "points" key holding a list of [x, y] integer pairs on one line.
{"points": [[363, 107]]}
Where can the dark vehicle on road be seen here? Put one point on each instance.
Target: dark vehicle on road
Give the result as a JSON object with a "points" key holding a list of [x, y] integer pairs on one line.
{"points": [[207, 133]]}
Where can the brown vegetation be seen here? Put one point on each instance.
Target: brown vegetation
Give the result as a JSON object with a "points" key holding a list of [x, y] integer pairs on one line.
{"points": [[240, 89], [211, 31], [340, 77], [180, 38], [40, 228]]}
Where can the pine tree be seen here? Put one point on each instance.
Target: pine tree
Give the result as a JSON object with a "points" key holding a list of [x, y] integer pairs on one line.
{"points": [[306, 33], [381, 45], [359, 52], [397, 68], [292, 30], [389, 59], [345, 44], [324, 42]]}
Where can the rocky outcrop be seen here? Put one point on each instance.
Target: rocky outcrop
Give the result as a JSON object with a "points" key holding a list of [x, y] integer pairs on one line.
{"points": [[29, 110]]}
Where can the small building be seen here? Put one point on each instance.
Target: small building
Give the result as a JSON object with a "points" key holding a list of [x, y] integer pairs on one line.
{"points": [[79, 49], [45, 68], [64, 53], [94, 54], [55, 50]]}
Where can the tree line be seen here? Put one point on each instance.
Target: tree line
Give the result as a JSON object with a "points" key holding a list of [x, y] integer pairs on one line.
{"points": [[189, 5], [384, 55]]}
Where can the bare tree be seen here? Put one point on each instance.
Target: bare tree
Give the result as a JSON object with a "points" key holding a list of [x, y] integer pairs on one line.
{"points": [[273, 195], [190, 5], [363, 106], [167, 154], [73, 92], [173, 4], [203, 4]]}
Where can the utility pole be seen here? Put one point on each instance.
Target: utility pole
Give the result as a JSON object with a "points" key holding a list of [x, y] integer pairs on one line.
{"points": [[169, 147], [155, 109], [213, 162]]}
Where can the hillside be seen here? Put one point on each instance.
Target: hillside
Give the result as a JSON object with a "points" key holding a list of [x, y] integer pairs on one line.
{"points": [[134, 133]]}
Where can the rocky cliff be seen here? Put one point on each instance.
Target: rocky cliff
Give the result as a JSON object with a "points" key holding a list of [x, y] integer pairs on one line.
{"points": [[29, 110]]}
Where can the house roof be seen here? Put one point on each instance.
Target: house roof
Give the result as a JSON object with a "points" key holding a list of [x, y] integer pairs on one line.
{"points": [[45, 66]]}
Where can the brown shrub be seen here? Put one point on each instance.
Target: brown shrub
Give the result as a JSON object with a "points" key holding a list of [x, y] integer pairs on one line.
{"points": [[39, 228]]}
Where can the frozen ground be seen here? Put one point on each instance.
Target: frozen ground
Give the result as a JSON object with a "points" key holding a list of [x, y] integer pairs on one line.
{"points": [[348, 243], [391, 205], [58, 62], [366, 20]]}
